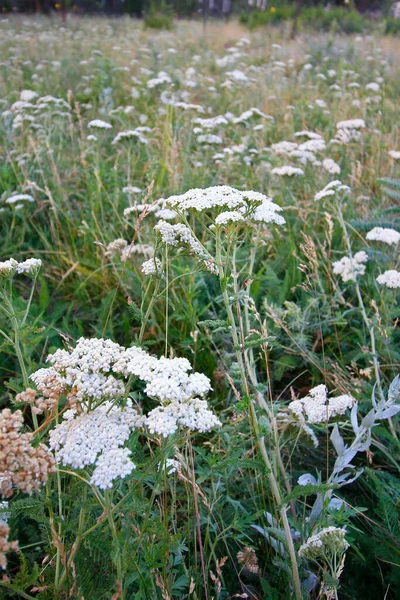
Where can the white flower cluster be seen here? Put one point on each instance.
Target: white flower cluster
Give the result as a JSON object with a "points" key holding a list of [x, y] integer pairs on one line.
{"points": [[395, 154], [152, 266], [331, 166], [287, 171], [334, 187], [30, 266], [348, 131], [327, 542], [390, 279], [316, 407], [127, 251], [16, 198], [95, 436], [384, 234], [173, 235], [169, 382], [99, 124], [256, 206], [129, 135], [350, 268], [85, 370]]}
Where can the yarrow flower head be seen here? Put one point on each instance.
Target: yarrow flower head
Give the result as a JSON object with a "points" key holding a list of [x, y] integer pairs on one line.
{"points": [[328, 542], [254, 205], [385, 235], [8, 267], [317, 407], [350, 268], [99, 124], [330, 190], [30, 266], [390, 279], [95, 428]]}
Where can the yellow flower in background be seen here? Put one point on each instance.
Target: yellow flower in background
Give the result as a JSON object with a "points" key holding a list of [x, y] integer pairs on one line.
{"points": [[272, 9], [57, 6]]}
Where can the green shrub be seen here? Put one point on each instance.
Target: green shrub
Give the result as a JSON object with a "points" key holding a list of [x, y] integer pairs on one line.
{"points": [[347, 21], [392, 26], [157, 20], [271, 16]]}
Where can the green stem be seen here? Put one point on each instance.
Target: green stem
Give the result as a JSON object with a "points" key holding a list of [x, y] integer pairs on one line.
{"points": [[114, 533], [260, 440]]}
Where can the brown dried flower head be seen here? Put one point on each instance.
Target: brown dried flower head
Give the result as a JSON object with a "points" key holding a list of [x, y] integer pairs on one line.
{"points": [[22, 465]]}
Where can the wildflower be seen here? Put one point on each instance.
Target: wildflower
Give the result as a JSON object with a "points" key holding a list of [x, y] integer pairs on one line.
{"points": [[22, 466], [384, 234], [170, 466], [331, 166], [111, 465], [99, 124], [209, 138], [8, 267], [257, 206], [328, 542], [152, 266], [316, 407], [373, 87], [248, 558], [30, 266], [390, 279], [228, 217], [287, 171], [5, 545], [19, 198], [131, 134], [331, 189], [395, 154], [350, 268]]}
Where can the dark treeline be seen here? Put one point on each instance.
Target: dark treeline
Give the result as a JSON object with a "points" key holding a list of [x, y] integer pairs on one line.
{"points": [[181, 8]]}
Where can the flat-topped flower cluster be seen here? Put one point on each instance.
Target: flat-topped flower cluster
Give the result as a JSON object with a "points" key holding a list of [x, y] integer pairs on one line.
{"points": [[94, 377], [253, 206]]}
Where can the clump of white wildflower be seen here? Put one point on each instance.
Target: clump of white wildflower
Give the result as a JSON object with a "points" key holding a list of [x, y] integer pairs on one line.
{"points": [[328, 542], [317, 407], [330, 190], [349, 131], [390, 279], [99, 124], [350, 268], [30, 266], [8, 267], [384, 234], [395, 154], [331, 166], [95, 428], [152, 266], [287, 171], [222, 198], [128, 135], [16, 198], [95, 438]]}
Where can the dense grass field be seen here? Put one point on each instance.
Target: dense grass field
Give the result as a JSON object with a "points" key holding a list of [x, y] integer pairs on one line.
{"points": [[199, 312]]}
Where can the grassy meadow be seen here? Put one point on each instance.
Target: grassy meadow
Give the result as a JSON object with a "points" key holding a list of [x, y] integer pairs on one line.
{"points": [[200, 229]]}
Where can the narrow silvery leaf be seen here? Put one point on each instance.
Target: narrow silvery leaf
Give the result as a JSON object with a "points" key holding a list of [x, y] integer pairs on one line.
{"points": [[337, 441], [390, 412], [306, 479], [369, 419], [311, 582], [354, 419], [373, 396], [316, 510], [394, 389]]}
